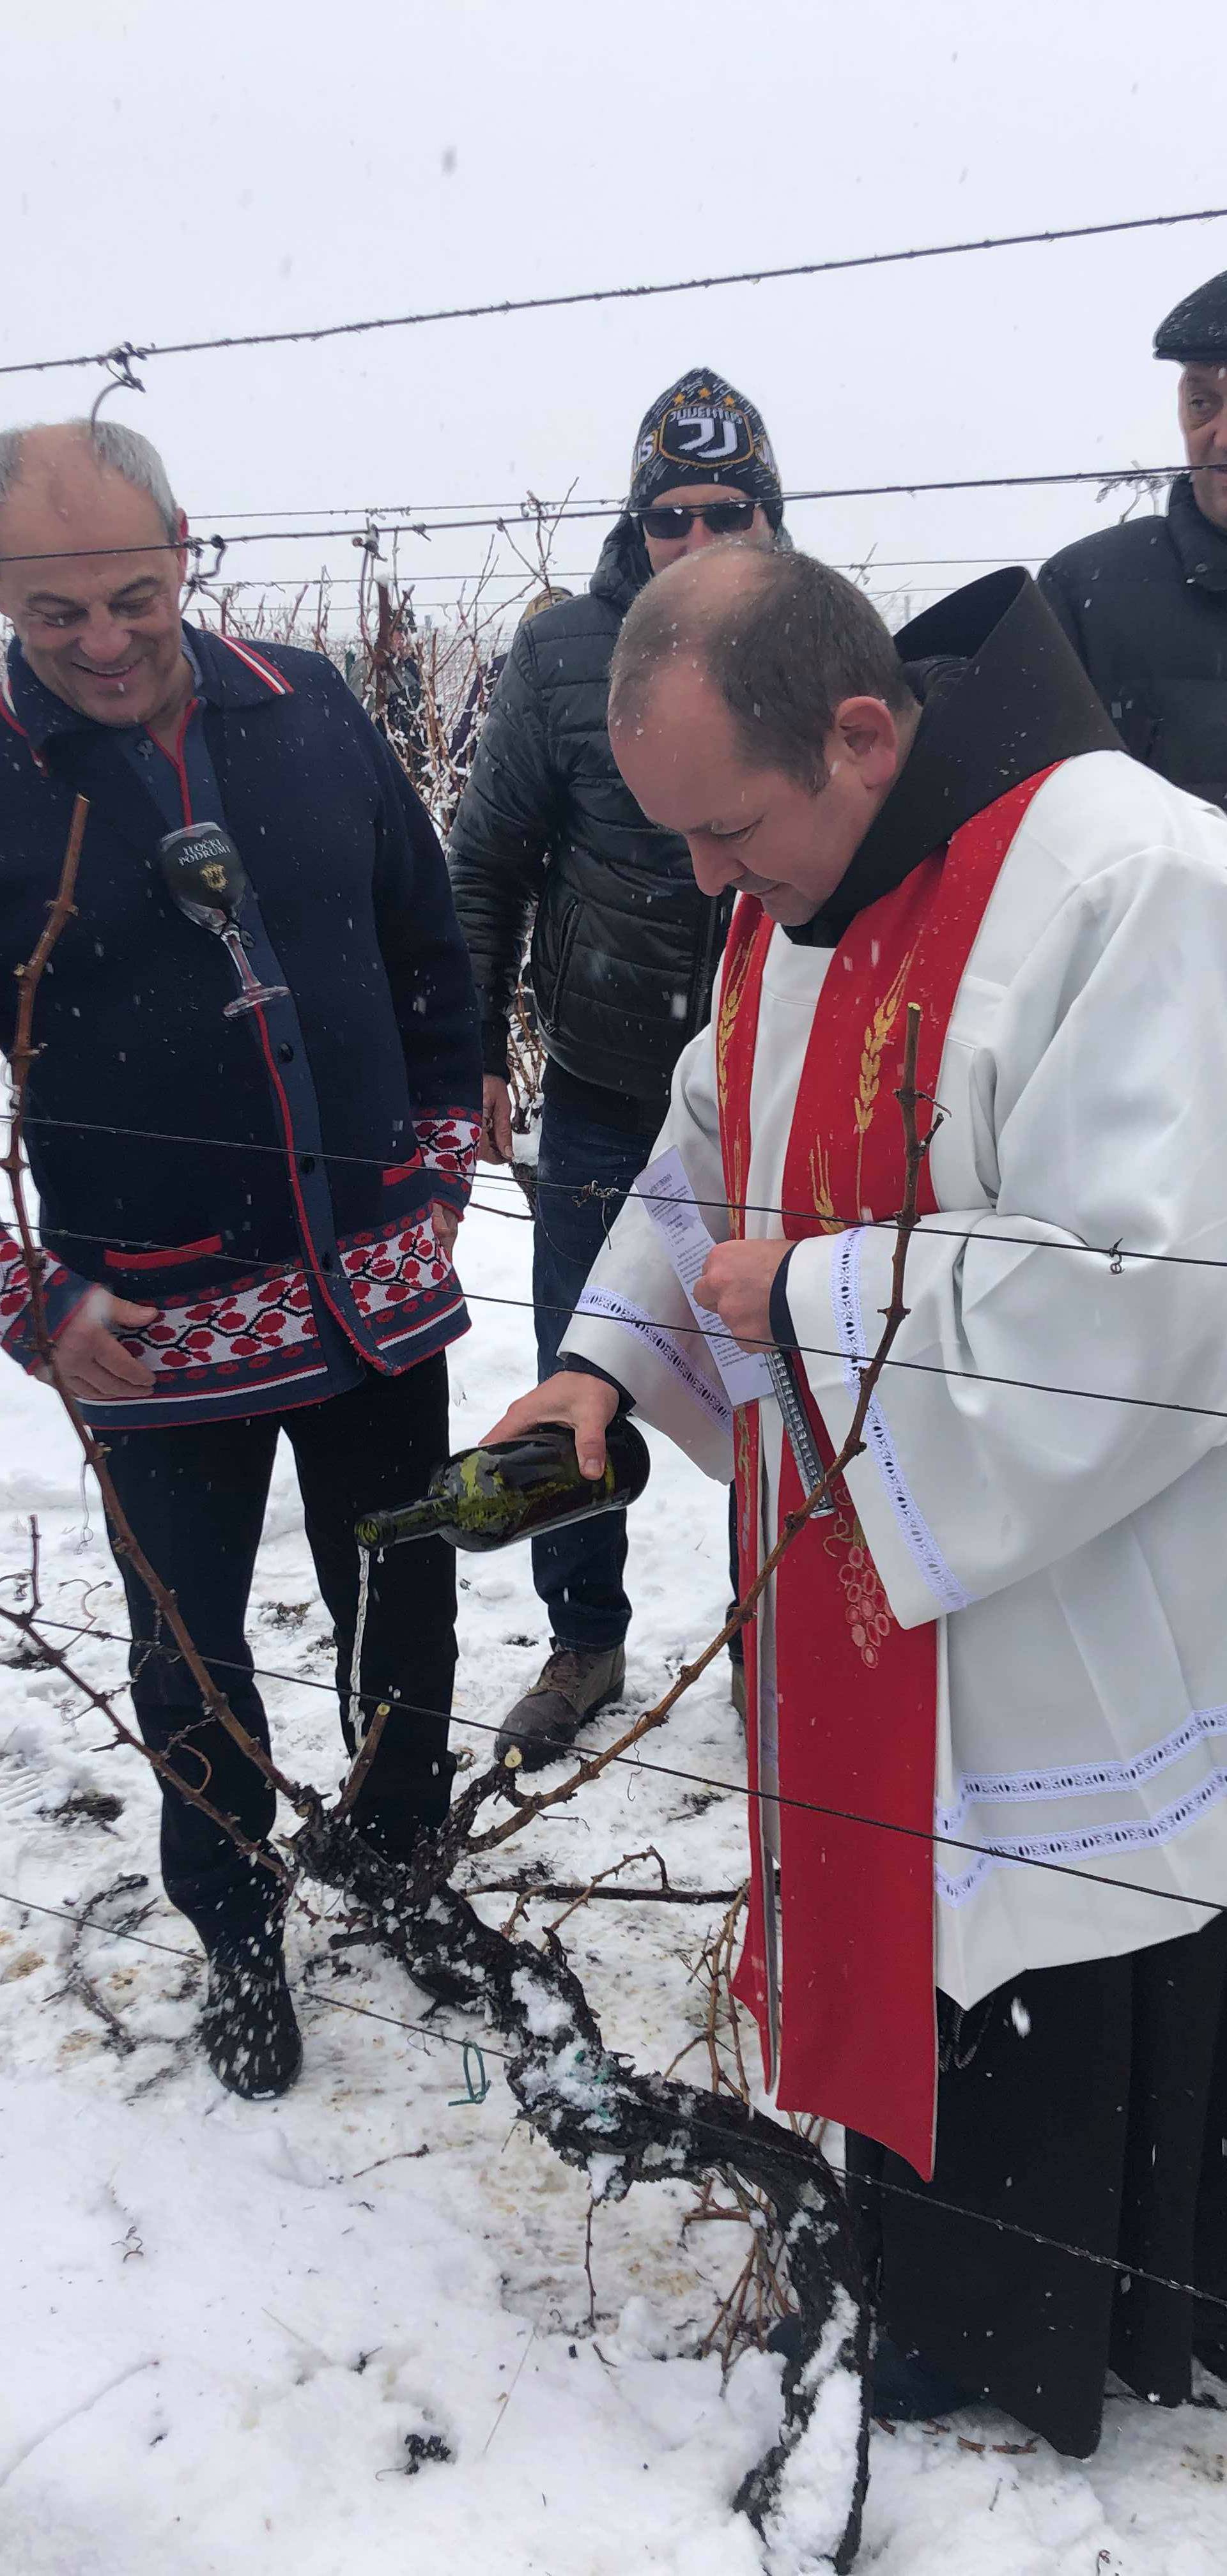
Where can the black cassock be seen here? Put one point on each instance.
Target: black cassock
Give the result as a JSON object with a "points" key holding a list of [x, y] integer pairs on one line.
{"points": [[1089, 2105]]}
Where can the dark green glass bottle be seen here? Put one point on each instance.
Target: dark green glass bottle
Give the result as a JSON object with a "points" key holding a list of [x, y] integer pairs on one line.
{"points": [[485, 1498]]}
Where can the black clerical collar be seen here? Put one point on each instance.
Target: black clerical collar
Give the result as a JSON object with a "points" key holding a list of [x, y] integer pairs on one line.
{"points": [[1002, 694]]}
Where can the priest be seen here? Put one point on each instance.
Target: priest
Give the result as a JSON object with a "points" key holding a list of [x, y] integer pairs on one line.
{"points": [[987, 1742]]}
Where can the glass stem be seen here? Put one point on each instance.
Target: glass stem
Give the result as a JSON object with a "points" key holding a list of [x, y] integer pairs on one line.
{"points": [[232, 941]]}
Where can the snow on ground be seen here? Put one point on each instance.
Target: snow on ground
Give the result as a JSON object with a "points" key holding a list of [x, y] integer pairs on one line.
{"points": [[223, 2324]]}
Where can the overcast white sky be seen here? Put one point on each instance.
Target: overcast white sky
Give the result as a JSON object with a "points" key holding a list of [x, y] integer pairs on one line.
{"points": [[177, 170]]}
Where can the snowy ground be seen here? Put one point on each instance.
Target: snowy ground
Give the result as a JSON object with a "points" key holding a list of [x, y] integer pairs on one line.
{"points": [[222, 2322]]}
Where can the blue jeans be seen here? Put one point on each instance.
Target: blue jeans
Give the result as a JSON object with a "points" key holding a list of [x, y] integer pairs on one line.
{"points": [[578, 1573]]}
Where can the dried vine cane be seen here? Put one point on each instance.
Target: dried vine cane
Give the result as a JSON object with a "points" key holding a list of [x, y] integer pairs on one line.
{"points": [[621, 2127], [57, 1659], [602, 2116], [597, 2113]]}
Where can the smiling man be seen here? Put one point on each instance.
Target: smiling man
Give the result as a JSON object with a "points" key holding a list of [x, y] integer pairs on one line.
{"points": [[988, 1821], [1145, 605], [247, 1221], [101, 630]]}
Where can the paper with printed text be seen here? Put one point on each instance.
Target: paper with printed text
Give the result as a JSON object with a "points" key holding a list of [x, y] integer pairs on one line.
{"points": [[670, 1201]]}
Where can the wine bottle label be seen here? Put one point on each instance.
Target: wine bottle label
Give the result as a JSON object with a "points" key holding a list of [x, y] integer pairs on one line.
{"points": [[486, 1501], [486, 1497]]}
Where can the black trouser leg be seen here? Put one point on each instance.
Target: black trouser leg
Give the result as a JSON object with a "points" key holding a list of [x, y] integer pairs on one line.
{"points": [[195, 1496], [362, 1452], [1086, 2105], [1210, 2325]]}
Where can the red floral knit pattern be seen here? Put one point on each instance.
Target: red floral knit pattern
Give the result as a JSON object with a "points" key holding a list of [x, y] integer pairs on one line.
{"points": [[60, 1298], [262, 1330], [14, 1283], [387, 1271], [448, 1142], [248, 1327]]}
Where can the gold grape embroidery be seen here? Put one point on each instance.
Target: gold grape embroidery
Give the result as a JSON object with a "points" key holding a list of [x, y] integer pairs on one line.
{"points": [[865, 1604]]}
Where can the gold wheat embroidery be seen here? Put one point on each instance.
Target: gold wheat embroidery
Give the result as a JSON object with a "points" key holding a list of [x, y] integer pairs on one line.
{"points": [[820, 1189], [747, 1499], [730, 1000], [877, 1036], [734, 987], [737, 1203]]}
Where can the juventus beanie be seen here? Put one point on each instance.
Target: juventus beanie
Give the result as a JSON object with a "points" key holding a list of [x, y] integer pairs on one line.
{"points": [[703, 430]]}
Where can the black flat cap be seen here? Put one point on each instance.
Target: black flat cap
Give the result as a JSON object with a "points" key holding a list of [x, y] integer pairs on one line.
{"points": [[1197, 326]]}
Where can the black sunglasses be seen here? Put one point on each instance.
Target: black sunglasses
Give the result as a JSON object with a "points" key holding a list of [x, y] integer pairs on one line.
{"points": [[724, 518]]}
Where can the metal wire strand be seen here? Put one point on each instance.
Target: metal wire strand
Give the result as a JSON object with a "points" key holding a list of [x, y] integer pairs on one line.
{"points": [[119, 360], [671, 1771]]}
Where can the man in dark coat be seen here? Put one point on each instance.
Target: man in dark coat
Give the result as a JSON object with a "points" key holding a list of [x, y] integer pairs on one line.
{"points": [[247, 1221], [624, 950], [1145, 605]]}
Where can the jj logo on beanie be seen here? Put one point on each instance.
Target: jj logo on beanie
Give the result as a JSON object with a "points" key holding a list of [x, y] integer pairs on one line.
{"points": [[702, 429]]}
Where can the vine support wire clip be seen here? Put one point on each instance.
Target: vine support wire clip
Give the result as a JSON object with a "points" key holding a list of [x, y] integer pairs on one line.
{"points": [[477, 2082], [118, 363]]}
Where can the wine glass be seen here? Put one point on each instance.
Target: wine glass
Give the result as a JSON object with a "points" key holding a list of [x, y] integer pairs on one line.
{"points": [[205, 877]]}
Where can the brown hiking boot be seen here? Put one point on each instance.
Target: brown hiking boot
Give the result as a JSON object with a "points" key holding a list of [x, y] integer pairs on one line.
{"points": [[575, 1682]]}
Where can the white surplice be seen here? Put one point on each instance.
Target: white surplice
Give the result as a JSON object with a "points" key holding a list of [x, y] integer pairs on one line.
{"points": [[1071, 1546]]}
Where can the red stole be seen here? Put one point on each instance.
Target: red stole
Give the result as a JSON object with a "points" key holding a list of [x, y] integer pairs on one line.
{"points": [[851, 2031]]}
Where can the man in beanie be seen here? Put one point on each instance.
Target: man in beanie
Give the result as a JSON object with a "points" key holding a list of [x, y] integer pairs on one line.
{"points": [[1145, 605], [624, 951]]}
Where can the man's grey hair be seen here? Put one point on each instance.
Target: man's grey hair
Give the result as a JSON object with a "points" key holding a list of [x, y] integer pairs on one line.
{"points": [[123, 450]]}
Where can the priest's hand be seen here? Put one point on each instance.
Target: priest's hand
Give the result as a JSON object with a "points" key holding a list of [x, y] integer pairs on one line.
{"points": [[588, 1404], [736, 1282]]}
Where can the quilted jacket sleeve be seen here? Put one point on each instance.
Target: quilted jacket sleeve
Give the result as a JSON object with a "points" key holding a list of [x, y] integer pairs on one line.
{"points": [[500, 840], [432, 987]]}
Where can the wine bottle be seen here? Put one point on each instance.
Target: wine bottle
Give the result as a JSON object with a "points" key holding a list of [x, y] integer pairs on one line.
{"points": [[484, 1498]]}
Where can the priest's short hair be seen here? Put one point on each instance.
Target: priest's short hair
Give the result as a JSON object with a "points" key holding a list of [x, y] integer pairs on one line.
{"points": [[785, 639]]}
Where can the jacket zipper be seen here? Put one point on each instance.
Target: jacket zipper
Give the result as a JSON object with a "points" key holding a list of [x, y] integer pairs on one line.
{"points": [[175, 757]]}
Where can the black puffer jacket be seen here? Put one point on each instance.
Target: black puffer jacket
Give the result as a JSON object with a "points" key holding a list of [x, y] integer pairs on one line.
{"points": [[625, 947], [1145, 608]]}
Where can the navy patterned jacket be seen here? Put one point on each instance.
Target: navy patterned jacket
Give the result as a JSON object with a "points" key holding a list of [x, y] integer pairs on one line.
{"points": [[265, 1181]]}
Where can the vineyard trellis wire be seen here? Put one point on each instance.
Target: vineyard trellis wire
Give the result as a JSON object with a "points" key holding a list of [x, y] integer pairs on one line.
{"points": [[1132, 478], [119, 359], [386, 623]]}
